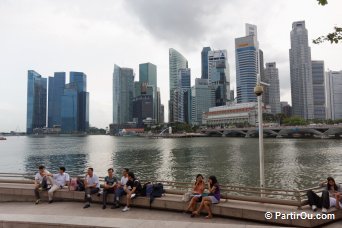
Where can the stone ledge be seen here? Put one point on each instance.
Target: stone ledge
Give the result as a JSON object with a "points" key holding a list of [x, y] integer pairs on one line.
{"points": [[227, 208]]}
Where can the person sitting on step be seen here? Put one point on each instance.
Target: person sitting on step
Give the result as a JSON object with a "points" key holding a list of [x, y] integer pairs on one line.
{"points": [[197, 192], [58, 181], [40, 182], [132, 188], [110, 183], [91, 185], [120, 187]]}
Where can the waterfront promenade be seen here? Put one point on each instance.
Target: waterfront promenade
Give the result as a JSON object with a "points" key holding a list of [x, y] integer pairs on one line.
{"points": [[17, 199]]}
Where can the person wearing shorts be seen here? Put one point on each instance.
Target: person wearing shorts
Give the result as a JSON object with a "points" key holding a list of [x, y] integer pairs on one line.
{"points": [[213, 198], [197, 192]]}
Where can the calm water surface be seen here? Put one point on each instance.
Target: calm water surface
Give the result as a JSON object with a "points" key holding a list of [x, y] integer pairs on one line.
{"points": [[289, 163]]}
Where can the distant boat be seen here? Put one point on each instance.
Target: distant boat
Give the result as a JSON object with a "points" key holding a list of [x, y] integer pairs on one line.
{"points": [[2, 138]]}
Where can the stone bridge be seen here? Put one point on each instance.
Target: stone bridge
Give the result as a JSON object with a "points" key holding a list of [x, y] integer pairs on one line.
{"points": [[311, 131]]}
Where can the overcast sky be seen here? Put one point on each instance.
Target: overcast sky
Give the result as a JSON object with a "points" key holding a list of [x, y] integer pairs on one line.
{"points": [[91, 36]]}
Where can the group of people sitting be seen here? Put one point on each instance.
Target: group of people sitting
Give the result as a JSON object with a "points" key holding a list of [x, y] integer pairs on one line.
{"points": [[128, 185], [331, 196]]}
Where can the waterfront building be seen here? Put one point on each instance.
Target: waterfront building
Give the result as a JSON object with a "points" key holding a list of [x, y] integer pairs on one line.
{"points": [[148, 74], [142, 109], [246, 55], [232, 96], [233, 115], [286, 109], [123, 91], [272, 74], [204, 62], [201, 103], [218, 77], [79, 80], [70, 109], [301, 72], [176, 61], [334, 94], [36, 101], [318, 87], [182, 97], [55, 93]]}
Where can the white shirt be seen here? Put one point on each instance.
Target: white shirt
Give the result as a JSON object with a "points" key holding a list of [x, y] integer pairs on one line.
{"points": [[39, 178], [333, 202], [61, 179], [124, 180], [93, 180]]}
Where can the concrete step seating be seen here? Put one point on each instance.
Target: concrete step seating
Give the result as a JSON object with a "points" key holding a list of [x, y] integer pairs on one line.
{"points": [[10, 192]]}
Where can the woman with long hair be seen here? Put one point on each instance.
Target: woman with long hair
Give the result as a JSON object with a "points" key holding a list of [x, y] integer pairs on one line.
{"points": [[329, 196], [197, 192], [213, 198]]}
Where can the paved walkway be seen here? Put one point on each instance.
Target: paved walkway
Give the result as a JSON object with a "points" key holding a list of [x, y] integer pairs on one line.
{"points": [[73, 213]]}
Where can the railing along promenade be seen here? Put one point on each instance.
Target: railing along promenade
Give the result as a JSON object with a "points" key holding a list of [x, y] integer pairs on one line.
{"points": [[228, 192]]}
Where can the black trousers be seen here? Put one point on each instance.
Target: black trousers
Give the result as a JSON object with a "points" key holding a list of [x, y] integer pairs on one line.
{"points": [[105, 194], [320, 202]]}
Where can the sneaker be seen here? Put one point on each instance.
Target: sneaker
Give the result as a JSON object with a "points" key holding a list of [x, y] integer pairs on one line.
{"points": [[125, 209], [87, 205], [314, 207], [104, 207], [50, 201], [324, 210], [133, 195], [37, 201]]}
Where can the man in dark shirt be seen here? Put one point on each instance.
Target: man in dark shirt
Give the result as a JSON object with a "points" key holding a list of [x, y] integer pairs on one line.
{"points": [[132, 188], [109, 188]]}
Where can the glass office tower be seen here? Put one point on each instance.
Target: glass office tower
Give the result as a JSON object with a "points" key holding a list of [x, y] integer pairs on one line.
{"points": [[36, 101], [56, 90]]}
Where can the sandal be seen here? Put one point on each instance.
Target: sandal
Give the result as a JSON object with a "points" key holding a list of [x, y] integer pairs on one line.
{"points": [[194, 214], [208, 217]]}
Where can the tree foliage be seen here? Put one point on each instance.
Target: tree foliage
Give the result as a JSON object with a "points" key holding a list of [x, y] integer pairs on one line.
{"points": [[333, 37]]}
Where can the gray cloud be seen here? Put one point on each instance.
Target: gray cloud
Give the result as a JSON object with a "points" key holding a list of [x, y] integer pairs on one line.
{"points": [[176, 21]]}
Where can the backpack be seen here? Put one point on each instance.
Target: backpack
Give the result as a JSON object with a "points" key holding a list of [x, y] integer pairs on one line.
{"points": [[157, 191], [73, 184], [147, 189], [80, 185]]}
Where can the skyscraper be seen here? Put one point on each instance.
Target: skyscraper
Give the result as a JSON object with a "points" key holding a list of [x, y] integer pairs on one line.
{"points": [[36, 101], [56, 90], [218, 77], [182, 95], [161, 113], [272, 73], [70, 109], [318, 87], [204, 62], [334, 94], [201, 103], [176, 61], [246, 55], [301, 72], [123, 90], [148, 74], [79, 79]]}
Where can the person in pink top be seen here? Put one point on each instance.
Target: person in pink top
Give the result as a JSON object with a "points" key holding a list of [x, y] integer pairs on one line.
{"points": [[197, 192]]}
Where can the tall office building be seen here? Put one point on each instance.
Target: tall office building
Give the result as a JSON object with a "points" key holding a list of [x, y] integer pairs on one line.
{"points": [[161, 114], [204, 62], [247, 64], [182, 97], [176, 61], [148, 74], [200, 93], [36, 101], [70, 109], [79, 79], [123, 90], [301, 72], [218, 77], [286, 109], [272, 73], [74, 104], [334, 94], [318, 87], [56, 90]]}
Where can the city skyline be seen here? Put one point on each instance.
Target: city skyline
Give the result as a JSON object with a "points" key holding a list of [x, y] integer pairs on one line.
{"points": [[86, 37]]}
